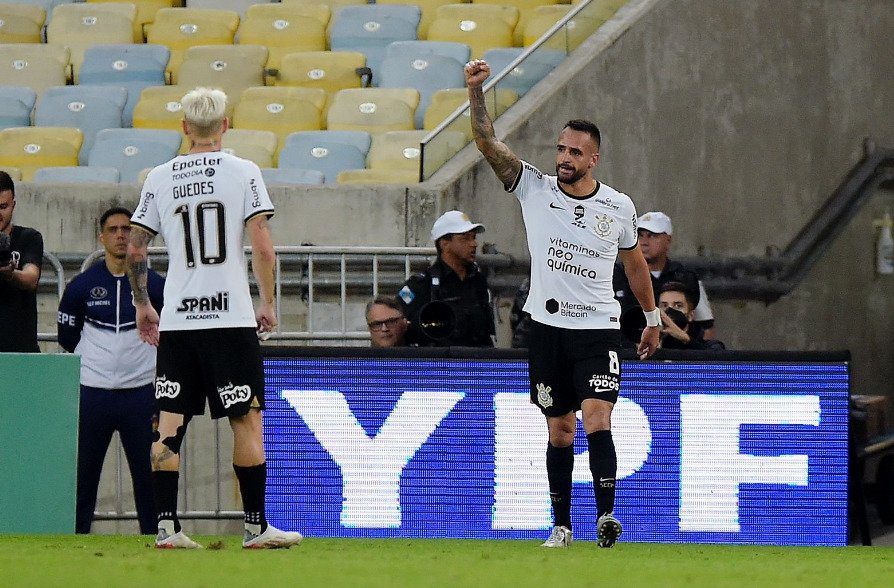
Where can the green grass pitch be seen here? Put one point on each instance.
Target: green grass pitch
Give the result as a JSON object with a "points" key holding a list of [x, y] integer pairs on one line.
{"points": [[99, 561]]}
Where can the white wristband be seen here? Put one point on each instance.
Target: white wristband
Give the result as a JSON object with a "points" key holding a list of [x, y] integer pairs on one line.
{"points": [[653, 317]]}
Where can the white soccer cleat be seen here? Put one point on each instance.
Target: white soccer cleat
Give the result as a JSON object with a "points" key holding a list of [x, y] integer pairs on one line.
{"points": [[272, 538], [609, 529], [560, 537], [178, 540]]}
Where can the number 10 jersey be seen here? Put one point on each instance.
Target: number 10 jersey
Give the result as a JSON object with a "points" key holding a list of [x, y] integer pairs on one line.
{"points": [[199, 204]]}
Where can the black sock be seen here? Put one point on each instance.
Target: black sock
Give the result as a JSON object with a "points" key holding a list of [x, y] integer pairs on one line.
{"points": [[604, 467], [559, 468], [164, 486], [252, 484]]}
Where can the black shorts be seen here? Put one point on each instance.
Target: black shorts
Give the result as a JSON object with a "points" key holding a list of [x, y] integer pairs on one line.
{"points": [[222, 365], [567, 366]]}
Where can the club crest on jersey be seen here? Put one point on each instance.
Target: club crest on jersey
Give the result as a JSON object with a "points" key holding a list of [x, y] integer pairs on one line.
{"points": [[165, 388], [603, 225], [98, 293], [231, 394], [543, 395]]}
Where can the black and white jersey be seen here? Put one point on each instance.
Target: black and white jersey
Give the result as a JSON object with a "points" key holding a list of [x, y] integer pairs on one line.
{"points": [[574, 242], [199, 203]]}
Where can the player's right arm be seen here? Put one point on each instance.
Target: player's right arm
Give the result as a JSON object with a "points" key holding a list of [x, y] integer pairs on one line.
{"points": [[263, 265], [70, 318], [138, 274], [504, 162]]}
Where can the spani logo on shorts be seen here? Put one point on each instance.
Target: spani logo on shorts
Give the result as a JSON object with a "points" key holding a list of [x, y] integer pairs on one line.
{"points": [[165, 388], [543, 397], [231, 394]]}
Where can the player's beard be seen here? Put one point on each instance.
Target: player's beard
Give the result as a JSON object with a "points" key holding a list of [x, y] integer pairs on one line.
{"points": [[577, 175]]}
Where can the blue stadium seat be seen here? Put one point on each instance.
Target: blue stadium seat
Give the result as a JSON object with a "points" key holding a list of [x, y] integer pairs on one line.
{"points": [[277, 176], [16, 104], [133, 150], [371, 28], [76, 175], [133, 67], [458, 51], [89, 108], [328, 152], [523, 77], [428, 73], [238, 6]]}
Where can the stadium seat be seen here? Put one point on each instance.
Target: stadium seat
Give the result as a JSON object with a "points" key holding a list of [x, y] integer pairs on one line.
{"points": [[480, 26], [159, 108], [146, 10], [328, 152], [377, 176], [374, 110], [525, 11], [76, 175], [281, 110], [457, 51], [34, 65], [400, 151], [30, 148], [133, 66], [89, 108], [330, 70], [291, 177], [371, 28], [445, 102], [523, 77], [578, 28], [232, 68], [284, 29], [47, 5], [16, 104], [79, 26], [21, 23], [130, 151], [428, 8], [333, 5], [182, 28], [238, 6], [426, 73], [14, 172], [256, 146]]}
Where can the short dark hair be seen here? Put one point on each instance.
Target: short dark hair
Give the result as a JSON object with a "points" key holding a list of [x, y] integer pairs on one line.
{"points": [[389, 301], [6, 183], [111, 212], [585, 126], [680, 287]]}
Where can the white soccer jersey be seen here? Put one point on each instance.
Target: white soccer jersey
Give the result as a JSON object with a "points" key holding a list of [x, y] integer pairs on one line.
{"points": [[573, 243], [200, 203]]}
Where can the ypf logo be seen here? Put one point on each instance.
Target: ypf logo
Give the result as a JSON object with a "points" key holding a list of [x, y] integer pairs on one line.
{"points": [[231, 394], [165, 388]]}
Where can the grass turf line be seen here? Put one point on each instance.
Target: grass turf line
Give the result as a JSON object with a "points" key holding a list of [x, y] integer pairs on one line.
{"points": [[109, 560]]}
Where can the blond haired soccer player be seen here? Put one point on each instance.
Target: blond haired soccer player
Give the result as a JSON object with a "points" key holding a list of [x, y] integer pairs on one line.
{"points": [[207, 336], [576, 227]]}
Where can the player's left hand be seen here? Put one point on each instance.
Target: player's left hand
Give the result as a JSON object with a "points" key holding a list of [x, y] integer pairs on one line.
{"points": [[648, 344], [147, 323], [266, 320]]}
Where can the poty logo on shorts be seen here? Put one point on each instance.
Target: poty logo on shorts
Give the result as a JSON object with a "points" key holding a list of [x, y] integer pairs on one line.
{"points": [[165, 388], [231, 394]]}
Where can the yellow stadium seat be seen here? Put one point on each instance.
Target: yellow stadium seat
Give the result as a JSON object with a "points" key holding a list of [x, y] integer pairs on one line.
{"points": [[445, 102], [79, 26], [578, 29], [281, 110], [232, 68], [480, 26], [401, 151], [285, 29], [21, 23], [330, 70], [30, 148], [377, 176], [159, 108], [182, 28], [14, 173], [374, 110], [34, 65], [428, 8], [525, 11], [146, 10], [333, 5], [256, 146]]}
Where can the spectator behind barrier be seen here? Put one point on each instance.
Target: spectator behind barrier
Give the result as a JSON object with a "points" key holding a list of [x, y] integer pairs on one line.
{"points": [[386, 322], [519, 320], [679, 331]]}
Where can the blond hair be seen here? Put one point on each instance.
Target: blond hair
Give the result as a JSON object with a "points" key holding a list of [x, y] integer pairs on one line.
{"points": [[204, 109]]}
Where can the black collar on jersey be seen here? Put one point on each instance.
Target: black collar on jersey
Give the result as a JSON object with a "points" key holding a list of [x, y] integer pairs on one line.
{"points": [[572, 196]]}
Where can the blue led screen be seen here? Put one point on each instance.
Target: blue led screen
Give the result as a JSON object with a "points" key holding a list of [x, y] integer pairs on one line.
{"points": [[738, 452]]}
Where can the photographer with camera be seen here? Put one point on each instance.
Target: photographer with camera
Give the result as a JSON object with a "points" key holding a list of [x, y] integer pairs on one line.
{"points": [[679, 331], [449, 303], [21, 253]]}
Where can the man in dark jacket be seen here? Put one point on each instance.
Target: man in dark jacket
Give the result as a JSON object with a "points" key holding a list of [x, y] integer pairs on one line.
{"points": [[675, 302]]}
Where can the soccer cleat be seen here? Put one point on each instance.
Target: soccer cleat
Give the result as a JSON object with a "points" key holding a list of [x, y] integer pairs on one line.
{"points": [[272, 538], [178, 540], [560, 537], [608, 529]]}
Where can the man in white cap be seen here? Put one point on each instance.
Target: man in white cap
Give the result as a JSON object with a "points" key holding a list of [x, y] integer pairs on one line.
{"points": [[655, 236], [449, 303]]}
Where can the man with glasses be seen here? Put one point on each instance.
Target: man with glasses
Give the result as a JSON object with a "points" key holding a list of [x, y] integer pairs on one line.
{"points": [[386, 322]]}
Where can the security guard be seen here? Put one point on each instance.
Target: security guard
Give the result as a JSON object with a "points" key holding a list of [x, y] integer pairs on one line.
{"points": [[449, 303]]}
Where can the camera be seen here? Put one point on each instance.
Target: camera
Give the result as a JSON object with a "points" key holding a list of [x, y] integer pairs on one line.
{"points": [[437, 320]]}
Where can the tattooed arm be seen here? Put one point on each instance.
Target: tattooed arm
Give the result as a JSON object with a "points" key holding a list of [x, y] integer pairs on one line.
{"points": [[138, 274], [504, 162]]}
